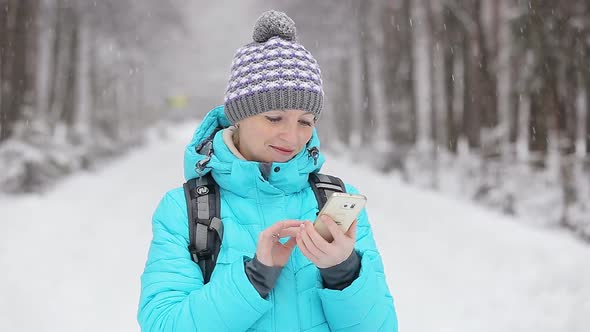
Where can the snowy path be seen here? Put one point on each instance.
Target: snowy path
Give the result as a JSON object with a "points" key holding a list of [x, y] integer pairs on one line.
{"points": [[70, 259]]}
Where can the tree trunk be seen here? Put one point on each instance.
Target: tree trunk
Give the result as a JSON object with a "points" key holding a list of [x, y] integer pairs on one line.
{"points": [[95, 95], [54, 104], [587, 81], [18, 45], [12, 67], [409, 81], [567, 120], [398, 68], [540, 107], [432, 15], [471, 93], [568, 117], [449, 50], [3, 38], [543, 106], [508, 85], [117, 111], [586, 88], [19, 63], [392, 62], [343, 114], [397, 82], [71, 69], [515, 93], [367, 108], [32, 66], [432, 32], [4, 49], [488, 102]]}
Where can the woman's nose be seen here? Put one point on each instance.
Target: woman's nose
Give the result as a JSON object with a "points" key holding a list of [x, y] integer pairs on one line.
{"points": [[289, 133]]}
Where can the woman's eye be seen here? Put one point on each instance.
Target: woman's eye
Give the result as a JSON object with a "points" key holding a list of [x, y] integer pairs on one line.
{"points": [[306, 123], [273, 119]]}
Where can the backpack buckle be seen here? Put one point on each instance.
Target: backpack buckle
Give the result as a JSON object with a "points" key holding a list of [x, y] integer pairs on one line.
{"points": [[204, 254]]}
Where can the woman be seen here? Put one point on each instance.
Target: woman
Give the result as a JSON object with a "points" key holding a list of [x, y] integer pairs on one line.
{"points": [[274, 272]]}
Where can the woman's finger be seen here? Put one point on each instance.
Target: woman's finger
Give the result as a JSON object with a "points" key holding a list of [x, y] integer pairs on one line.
{"points": [[351, 233], [289, 232], [317, 239], [291, 243], [304, 250], [334, 229], [311, 247], [274, 231], [282, 225]]}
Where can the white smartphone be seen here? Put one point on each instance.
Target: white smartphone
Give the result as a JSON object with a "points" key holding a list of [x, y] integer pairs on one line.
{"points": [[343, 208]]}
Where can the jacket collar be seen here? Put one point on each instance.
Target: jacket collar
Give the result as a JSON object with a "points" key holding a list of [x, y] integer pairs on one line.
{"points": [[243, 177]]}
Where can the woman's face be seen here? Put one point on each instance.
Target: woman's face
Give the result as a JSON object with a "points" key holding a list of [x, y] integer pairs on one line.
{"points": [[275, 136]]}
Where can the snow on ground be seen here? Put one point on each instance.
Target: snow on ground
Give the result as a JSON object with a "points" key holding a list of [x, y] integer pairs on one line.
{"points": [[70, 259]]}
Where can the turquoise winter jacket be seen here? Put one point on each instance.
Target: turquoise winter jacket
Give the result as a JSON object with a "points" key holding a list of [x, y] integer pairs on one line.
{"points": [[173, 297]]}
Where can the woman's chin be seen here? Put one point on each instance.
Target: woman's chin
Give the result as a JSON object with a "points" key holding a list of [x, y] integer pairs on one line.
{"points": [[279, 156], [281, 159]]}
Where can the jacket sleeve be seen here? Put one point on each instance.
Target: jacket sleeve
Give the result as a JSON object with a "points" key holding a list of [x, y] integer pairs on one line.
{"points": [[173, 297], [366, 304]]}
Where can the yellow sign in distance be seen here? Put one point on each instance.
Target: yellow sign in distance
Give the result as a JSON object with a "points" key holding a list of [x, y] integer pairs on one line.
{"points": [[178, 101]]}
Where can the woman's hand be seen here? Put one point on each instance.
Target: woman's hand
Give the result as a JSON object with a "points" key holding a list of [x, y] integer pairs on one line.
{"points": [[270, 251], [321, 252]]}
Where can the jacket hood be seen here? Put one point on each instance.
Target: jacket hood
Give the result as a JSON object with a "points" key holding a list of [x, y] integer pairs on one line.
{"points": [[243, 177]]}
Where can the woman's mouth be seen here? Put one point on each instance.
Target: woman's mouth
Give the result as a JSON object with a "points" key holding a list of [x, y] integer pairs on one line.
{"points": [[283, 151]]}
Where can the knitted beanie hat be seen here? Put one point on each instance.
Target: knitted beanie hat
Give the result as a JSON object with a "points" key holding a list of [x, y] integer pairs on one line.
{"points": [[274, 72]]}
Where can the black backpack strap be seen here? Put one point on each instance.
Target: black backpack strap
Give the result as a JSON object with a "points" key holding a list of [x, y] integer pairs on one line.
{"points": [[205, 226], [324, 186]]}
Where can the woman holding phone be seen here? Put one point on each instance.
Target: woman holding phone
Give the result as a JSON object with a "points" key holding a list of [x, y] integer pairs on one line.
{"points": [[274, 271]]}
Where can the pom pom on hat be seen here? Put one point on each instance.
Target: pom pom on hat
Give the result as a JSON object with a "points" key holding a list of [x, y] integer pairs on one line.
{"points": [[272, 24]]}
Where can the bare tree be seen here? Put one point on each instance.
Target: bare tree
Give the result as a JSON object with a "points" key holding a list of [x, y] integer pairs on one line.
{"points": [[585, 72], [488, 47], [472, 81], [398, 84], [76, 80], [64, 64], [6, 55], [587, 89], [516, 63], [17, 20], [343, 101], [365, 46], [450, 44], [435, 27], [533, 42]]}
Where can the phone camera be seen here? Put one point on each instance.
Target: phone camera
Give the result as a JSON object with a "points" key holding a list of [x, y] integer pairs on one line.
{"points": [[348, 205]]}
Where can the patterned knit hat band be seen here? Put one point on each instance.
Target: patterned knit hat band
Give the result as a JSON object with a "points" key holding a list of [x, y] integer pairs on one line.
{"points": [[274, 72]]}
